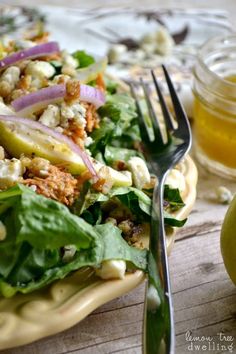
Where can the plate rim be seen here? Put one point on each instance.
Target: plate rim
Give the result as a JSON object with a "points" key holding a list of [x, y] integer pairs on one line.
{"points": [[64, 303]]}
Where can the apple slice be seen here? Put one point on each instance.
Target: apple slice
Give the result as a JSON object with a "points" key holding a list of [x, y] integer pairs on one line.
{"points": [[20, 139]]}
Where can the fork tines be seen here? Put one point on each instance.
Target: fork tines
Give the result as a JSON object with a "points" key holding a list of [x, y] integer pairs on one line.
{"points": [[180, 115]]}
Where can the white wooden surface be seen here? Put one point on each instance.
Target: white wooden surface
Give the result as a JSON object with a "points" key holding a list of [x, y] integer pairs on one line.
{"points": [[228, 5], [204, 297]]}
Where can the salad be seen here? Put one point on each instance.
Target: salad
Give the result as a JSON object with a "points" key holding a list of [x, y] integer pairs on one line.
{"points": [[75, 190]]}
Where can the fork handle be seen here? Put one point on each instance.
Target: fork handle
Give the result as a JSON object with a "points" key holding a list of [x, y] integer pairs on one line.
{"points": [[158, 319]]}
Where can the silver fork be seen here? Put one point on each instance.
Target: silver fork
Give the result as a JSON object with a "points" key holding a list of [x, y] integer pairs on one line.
{"points": [[162, 156]]}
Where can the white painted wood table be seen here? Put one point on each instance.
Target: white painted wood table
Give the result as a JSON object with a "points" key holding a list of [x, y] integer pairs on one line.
{"points": [[204, 297]]}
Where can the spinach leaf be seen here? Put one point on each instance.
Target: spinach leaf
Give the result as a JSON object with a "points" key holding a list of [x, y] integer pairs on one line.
{"points": [[57, 66], [83, 58], [172, 221], [173, 198], [102, 136], [138, 202]]}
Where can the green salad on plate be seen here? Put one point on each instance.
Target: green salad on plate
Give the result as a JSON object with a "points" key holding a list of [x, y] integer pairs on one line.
{"points": [[75, 190]]}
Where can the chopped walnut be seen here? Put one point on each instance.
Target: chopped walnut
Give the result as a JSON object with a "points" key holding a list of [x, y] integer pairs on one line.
{"points": [[126, 227], [72, 91], [16, 94], [120, 166], [24, 82], [68, 70], [104, 183], [134, 237], [5, 89], [111, 220]]}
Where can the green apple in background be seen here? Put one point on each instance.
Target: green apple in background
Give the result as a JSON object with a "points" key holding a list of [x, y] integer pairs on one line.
{"points": [[228, 240]]}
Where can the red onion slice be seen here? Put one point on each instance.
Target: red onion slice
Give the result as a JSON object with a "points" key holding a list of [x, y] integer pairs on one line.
{"points": [[34, 101], [30, 53], [39, 99], [92, 95], [63, 138]]}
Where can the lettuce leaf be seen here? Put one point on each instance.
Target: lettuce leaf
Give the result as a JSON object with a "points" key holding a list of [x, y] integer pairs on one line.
{"points": [[38, 219], [37, 228], [113, 154], [119, 107], [117, 247], [117, 116]]}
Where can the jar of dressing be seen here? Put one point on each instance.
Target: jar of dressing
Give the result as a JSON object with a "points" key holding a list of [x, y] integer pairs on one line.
{"points": [[214, 89]]}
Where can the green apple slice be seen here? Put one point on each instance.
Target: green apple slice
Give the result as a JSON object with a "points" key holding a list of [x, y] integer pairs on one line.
{"points": [[20, 139]]}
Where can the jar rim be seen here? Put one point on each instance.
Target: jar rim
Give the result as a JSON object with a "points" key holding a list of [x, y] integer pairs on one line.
{"points": [[202, 50], [218, 53]]}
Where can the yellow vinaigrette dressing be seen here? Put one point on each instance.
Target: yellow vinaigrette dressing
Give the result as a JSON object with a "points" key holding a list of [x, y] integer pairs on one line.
{"points": [[215, 129], [214, 89]]}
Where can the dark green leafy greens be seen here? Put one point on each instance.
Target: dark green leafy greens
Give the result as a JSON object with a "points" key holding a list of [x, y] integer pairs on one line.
{"points": [[111, 86], [173, 198], [37, 229], [136, 201], [83, 58], [57, 66], [118, 115]]}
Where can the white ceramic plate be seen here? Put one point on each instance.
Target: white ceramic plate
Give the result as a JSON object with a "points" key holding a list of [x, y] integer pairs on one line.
{"points": [[28, 317]]}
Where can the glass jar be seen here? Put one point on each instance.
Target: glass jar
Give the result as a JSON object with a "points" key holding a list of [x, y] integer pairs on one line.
{"points": [[214, 89]]}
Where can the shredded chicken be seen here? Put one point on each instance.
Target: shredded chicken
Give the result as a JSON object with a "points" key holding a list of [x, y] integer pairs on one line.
{"points": [[92, 118], [52, 182]]}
